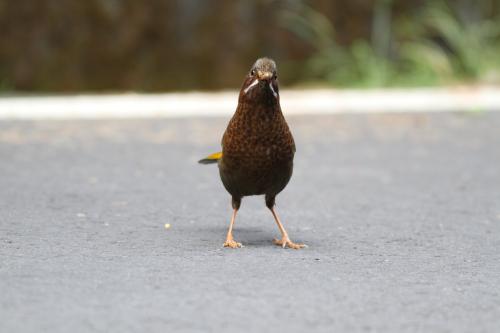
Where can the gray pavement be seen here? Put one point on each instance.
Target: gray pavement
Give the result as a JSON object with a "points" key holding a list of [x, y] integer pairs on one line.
{"points": [[401, 213]]}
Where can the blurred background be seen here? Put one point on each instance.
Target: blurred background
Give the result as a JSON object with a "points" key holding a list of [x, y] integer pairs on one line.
{"points": [[50, 46], [109, 224]]}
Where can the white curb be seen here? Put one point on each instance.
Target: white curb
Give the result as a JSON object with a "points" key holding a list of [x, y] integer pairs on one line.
{"points": [[324, 101]]}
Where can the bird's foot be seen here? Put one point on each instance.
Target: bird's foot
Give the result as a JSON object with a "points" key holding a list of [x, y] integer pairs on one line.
{"points": [[286, 242], [232, 244]]}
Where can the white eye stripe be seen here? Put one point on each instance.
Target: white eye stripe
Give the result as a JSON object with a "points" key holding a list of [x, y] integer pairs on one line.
{"points": [[272, 89], [254, 83]]}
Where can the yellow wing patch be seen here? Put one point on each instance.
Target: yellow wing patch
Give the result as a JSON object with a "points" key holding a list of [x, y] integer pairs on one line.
{"points": [[213, 158]]}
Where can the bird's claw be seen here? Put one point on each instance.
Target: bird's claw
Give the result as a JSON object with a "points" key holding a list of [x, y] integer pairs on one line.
{"points": [[232, 244], [286, 242]]}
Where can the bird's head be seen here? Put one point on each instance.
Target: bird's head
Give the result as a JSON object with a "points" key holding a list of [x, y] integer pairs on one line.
{"points": [[261, 83]]}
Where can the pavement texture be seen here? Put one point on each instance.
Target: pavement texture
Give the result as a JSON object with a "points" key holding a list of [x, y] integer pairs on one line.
{"points": [[401, 213]]}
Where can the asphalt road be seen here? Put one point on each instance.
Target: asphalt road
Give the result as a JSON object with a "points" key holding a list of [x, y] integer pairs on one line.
{"points": [[401, 214]]}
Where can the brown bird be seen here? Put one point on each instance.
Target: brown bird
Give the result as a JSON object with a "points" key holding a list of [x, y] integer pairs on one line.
{"points": [[257, 147]]}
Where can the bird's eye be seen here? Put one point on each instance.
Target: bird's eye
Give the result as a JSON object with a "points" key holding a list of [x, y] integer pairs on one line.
{"points": [[252, 72]]}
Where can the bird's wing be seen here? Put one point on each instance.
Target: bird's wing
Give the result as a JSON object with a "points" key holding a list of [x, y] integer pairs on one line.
{"points": [[213, 158]]}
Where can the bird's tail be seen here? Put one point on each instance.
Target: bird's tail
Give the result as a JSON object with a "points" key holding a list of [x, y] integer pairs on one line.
{"points": [[213, 158]]}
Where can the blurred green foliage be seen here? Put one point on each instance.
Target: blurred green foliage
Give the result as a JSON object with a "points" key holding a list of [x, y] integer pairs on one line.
{"points": [[159, 45], [447, 42], [440, 42]]}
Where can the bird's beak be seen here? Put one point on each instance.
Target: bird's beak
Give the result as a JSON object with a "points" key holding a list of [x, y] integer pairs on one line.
{"points": [[264, 75]]}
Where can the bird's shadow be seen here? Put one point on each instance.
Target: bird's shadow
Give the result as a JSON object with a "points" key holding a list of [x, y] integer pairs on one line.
{"points": [[248, 236]]}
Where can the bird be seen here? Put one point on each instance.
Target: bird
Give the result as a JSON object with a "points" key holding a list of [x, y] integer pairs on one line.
{"points": [[257, 147]]}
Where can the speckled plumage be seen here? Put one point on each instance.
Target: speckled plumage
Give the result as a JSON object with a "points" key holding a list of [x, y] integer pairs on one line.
{"points": [[257, 146]]}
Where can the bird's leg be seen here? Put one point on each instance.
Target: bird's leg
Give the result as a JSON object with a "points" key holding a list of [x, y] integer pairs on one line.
{"points": [[285, 240], [230, 242]]}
